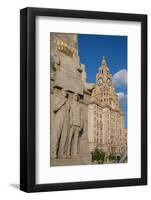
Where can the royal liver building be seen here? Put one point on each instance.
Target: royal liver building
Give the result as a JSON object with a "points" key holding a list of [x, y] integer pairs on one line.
{"points": [[105, 119]]}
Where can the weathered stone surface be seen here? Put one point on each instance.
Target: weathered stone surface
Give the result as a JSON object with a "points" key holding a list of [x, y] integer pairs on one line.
{"points": [[65, 162], [61, 120], [69, 38], [64, 80], [75, 127], [69, 139]]}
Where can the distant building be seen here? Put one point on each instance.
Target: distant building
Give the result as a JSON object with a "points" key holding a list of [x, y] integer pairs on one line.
{"points": [[105, 118]]}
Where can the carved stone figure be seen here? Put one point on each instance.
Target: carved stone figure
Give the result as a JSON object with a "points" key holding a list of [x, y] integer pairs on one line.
{"points": [[61, 120], [69, 137], [56, 61], [75, 126]]}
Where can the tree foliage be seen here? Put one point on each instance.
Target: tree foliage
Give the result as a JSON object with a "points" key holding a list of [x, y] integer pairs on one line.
{"points": [[97, 155]]}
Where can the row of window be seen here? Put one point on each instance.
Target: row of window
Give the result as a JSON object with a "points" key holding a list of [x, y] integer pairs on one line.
{"points": [[106, 100], [97, 114], [96, 140]]}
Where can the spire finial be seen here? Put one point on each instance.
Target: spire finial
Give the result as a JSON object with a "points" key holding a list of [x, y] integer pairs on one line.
{"points": [[103, 60]]}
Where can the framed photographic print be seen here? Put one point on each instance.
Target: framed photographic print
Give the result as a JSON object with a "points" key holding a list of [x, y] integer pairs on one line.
{"points": [[83, 99]]}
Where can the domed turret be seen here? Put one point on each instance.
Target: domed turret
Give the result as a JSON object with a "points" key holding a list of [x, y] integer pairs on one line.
{"points": [[104, 68]]}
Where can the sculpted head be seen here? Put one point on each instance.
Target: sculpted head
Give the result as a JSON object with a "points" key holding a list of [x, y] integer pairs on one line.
{"points": [[64, 92], [75, 97]]}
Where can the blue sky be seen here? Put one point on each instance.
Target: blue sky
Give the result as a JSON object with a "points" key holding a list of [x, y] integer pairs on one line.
{"points": [[91, 50]]}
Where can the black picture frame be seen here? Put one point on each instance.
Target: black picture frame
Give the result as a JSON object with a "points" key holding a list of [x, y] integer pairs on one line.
{"points": [[28, 99]]}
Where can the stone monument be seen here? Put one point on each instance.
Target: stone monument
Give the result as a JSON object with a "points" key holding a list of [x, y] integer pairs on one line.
{"points": [[69, 103]]}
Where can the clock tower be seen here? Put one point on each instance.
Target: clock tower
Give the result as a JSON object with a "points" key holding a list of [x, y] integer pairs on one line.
{"points": [[106, 129], [104, 92]]}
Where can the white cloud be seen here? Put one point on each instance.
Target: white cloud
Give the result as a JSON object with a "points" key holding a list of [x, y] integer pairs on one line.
{"points": [[120, 95], [120, 78], [122, 99]]}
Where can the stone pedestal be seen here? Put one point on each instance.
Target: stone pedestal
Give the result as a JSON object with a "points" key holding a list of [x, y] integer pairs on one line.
{"points": [[65, 162]]}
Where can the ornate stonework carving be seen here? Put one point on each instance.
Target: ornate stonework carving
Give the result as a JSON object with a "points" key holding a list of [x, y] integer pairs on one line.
{"points": [[61, 120], [68, 135], [105, 119], [64, 47], [75, 127]]}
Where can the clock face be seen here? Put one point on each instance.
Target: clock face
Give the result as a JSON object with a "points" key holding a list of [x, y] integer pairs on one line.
{"points": [[109, 81], [100, 81]]}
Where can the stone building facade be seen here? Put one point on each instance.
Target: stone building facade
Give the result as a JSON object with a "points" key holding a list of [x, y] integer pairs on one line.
{"points": [[105, 119]]}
